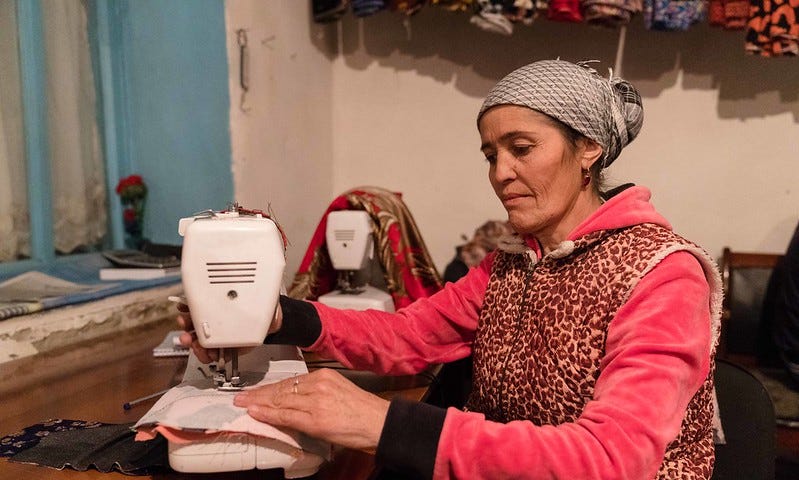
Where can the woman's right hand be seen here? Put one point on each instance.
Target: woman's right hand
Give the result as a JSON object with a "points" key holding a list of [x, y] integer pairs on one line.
{"points": [[207, 355]]}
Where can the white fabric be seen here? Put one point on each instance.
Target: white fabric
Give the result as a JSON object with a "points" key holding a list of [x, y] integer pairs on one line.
{"points": [[14, 227], [78, 192], [77, 169], [195, 404]]}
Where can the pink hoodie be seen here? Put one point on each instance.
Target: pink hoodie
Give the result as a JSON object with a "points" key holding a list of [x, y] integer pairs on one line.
{"points": [[657, 356]]}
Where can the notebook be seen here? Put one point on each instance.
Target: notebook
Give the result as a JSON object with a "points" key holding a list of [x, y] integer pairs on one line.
{"points": [[118, 273], [170, 346]]}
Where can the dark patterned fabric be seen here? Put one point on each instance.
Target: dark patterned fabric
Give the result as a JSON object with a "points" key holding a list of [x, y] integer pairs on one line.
{"points": [[454, 5], [542, 332], [673, 15], [490, 16], [30, 436], [408, 7], [325, 11], [364, 8], [81, 445], [610, 13]]}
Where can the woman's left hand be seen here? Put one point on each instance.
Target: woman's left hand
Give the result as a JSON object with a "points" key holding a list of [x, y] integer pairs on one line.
{"points": [[323, 404]]}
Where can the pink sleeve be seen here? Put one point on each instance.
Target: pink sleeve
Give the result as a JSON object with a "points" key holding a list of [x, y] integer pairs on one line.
{"points": [[432, 330], [657, 357]]}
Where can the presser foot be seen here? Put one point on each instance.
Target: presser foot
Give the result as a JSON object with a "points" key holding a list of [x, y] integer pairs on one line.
{"points": [[226, 374], [224, 384]]}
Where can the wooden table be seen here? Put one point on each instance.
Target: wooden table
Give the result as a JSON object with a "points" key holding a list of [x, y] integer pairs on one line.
{"points": [[117, 370]]}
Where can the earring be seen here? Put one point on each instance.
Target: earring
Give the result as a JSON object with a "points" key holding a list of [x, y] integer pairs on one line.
{"points": [[586, 178]]}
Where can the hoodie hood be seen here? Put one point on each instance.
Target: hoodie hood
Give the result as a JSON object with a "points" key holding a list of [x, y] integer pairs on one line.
{"points": [[627, 208]]}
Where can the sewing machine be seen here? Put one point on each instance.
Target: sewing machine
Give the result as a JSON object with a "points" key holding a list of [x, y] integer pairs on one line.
{"points": [[350, 245], [232, 271]]}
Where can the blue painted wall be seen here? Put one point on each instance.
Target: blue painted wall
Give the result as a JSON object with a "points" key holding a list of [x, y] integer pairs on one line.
{"points": [[174, 83]]}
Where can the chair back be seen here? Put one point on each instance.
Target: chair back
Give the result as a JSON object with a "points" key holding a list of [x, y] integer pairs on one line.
{"points": [[747, 416], [745, 332]]}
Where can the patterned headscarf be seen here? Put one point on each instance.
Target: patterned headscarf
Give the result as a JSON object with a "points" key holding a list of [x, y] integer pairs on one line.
{"points": [[608, 111]]}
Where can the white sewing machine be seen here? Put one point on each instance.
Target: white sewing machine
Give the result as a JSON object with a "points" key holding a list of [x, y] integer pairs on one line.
{"points": [[350, 245], [232, 267]]}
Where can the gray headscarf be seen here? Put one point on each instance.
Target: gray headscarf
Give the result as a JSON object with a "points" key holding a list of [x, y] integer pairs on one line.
{"points": [[608, 111]]}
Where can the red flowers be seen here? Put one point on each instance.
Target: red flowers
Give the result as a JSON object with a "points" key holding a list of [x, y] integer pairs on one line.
{"points": [[131, 188], [133, 193]]}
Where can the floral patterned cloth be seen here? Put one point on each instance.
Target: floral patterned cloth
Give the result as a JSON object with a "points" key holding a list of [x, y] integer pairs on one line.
{"points": [[407, 266], [30, 436]]}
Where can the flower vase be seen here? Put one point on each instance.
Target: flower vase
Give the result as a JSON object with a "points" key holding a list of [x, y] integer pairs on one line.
{"points": [[132, 193], [133, 221]]}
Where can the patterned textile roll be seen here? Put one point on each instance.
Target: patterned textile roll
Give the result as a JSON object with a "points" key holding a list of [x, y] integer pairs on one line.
{"points": [[608, 111], [610, 13], [408, 7], [773, 29], [364, 8], [523, 11], [736, 13], [564, 11], [673, 15], [715, 13], [490, 16], [729, 14], [453, 5]]}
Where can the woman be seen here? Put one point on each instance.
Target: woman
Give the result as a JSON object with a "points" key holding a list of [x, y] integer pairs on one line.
{"points": [[593, 329]]}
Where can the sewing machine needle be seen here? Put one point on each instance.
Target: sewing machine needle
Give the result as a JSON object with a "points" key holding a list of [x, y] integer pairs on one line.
{"points": [[234, 363]]}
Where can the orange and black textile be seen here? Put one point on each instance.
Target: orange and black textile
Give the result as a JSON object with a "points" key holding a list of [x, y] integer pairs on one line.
{"points": [[401, 252], [773, 28]]}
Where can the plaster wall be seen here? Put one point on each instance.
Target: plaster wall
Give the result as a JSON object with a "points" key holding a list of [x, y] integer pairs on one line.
{"points": [[718, 148], [281, 135], [391, 102]]}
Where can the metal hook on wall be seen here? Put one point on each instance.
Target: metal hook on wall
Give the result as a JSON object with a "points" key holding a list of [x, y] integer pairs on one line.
{"points": [[244, 68]]}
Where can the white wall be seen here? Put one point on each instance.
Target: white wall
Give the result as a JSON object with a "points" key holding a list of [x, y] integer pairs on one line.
{"points": [[718, 148], [281, 137]]}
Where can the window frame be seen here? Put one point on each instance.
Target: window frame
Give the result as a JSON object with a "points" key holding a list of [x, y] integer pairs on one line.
{"points": [[106, 34]]}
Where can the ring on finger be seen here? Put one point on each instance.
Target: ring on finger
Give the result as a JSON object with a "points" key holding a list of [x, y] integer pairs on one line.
{"points": [[296, 383]]}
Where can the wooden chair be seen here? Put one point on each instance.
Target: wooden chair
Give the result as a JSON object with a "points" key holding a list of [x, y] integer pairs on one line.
{"points": [[746, 340], [745, 279]]}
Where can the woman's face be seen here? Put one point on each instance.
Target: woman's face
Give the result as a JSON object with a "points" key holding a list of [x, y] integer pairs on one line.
{"points": [[536, 172]]}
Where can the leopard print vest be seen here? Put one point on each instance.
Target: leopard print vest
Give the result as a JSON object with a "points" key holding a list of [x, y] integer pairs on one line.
{"points": [[542, 332]]}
